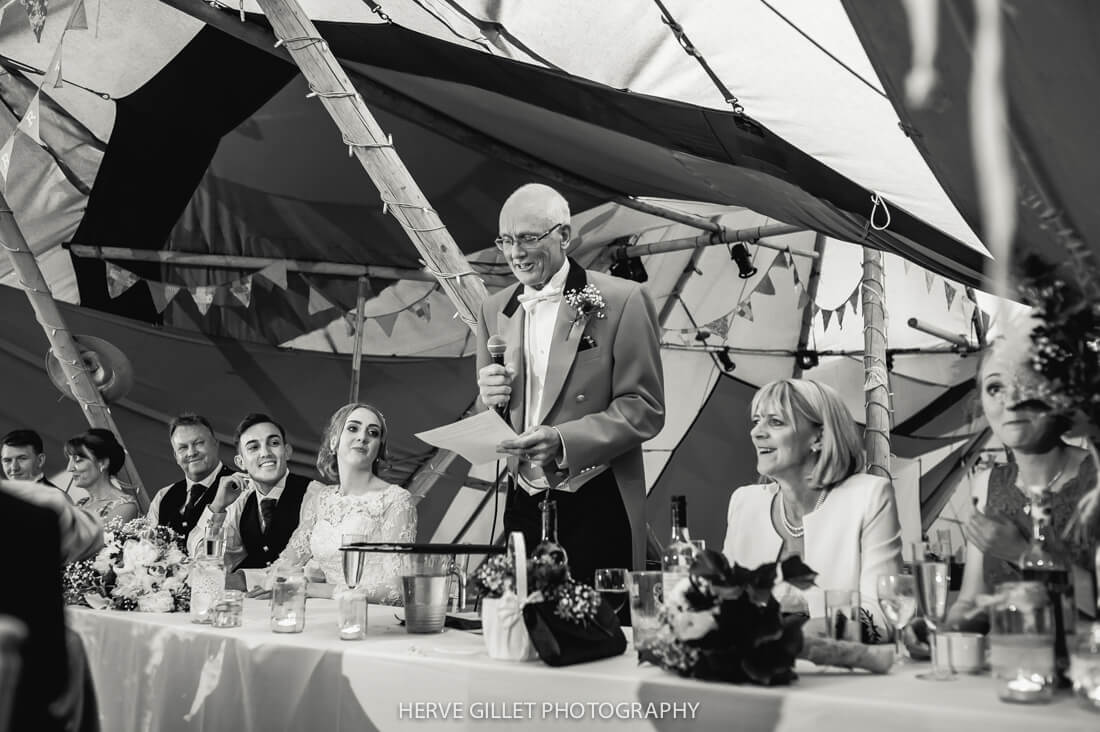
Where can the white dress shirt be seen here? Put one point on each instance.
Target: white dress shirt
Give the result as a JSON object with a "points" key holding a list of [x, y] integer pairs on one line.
{"points": [[231, 521], [154, 506]]}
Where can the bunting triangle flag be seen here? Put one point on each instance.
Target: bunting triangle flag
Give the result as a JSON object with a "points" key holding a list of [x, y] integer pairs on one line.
{"points": [[720, 326], [788, 257], [425, 311], [5, 158], [853, 301], [386, 322], [985, 322], [765, 286], [242, 290], [803, 299], [29, 124], [905, 265], [794, 276], [949, 291], [52, 79], [826, 316], [162, 294], [781, 262], [349, 323], [745, 311], [840, 315], [318, 302], [36, 16], [275, 273], [78, 18], [119, 280], [203, 295], [929, 279]]}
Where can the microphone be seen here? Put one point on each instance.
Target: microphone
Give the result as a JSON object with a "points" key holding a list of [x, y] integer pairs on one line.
{"points": [[497, 346]]}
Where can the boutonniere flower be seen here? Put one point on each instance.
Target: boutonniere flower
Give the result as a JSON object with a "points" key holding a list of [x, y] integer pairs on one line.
{"points": [[586, 303]]}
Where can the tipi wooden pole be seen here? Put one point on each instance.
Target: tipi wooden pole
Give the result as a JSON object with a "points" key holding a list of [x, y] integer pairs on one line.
{"points": [[357, 355], [61, 339], [376, 152], [876, 437], [811, 298]]}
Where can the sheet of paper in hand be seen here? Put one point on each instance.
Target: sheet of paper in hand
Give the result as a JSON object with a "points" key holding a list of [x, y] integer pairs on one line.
{"points": [[474, 438]]}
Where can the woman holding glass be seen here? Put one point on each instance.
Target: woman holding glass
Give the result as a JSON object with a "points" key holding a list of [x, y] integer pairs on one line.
{"points": [[360, 504], [95, 457], [997, 534], [815, 502]]}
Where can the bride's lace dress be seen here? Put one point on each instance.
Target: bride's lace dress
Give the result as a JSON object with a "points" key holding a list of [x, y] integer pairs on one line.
{"points": [[386, 515]]}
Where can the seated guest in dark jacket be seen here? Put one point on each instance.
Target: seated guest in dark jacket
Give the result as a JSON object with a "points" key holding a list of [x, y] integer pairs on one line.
{"points": [[258, 507], [195, 448], [23, 457]]}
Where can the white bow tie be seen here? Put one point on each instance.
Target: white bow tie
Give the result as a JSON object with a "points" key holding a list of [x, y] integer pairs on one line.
{"points": [[530, 297]]}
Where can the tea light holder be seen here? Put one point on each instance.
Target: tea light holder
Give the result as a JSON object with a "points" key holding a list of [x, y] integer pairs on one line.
{"points": [[228, 610], [288, 600], [353, 615]]}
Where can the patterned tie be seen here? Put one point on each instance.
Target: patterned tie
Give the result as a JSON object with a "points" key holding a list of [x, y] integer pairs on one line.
{"points": [[267, 512], [194, 492]]}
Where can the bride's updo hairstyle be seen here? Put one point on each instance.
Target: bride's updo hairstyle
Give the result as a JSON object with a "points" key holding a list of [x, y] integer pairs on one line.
{"points": [[326, 455], [98, 444]]}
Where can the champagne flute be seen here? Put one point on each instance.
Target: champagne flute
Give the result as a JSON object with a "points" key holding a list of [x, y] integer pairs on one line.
{"points": [[932, 586], [897, 596], [353, 559]]}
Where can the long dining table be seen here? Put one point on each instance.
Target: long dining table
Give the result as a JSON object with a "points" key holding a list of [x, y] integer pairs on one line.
{"points": [[163, 672]]}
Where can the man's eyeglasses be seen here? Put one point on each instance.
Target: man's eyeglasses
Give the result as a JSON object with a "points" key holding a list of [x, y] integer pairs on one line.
{"points": [[525, 241]]}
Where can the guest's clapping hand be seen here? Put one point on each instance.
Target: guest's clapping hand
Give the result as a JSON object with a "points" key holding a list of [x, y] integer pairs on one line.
{"points": [[494, 382], [229, 489], [539, 445], [995, 535]]}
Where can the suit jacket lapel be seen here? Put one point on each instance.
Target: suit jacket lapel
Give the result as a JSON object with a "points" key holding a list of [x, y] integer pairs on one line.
{"points": [[511, 324], [563, 347]]}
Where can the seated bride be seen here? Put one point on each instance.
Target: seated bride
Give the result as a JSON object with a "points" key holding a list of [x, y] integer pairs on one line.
{"points": [[359, 504]]}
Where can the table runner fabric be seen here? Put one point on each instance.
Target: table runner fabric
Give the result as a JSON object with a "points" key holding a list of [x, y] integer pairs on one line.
{"points": [[162, 672]]}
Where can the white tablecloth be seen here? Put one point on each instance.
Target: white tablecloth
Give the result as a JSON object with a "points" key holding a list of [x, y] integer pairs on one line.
{"points": [[161, 672]]}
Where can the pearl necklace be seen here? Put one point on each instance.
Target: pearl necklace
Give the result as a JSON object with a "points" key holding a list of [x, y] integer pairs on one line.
{"points": [[796, 531]]}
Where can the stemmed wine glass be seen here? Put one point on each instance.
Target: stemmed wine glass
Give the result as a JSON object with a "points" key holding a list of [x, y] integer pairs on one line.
{"points": [[353, 560], [897, 596], [932, 586]]}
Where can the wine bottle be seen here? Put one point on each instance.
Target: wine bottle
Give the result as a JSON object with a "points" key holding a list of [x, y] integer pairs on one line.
{"points": [[679, 554], [1039, 563], [548, 548]]}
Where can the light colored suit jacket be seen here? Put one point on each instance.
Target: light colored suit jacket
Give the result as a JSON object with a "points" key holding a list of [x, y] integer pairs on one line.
{"points": [[852, 539], [604, 389]]}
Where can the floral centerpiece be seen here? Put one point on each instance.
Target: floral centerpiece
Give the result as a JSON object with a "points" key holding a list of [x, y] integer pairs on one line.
{"points": [[140, 567], [723, 623], [549, 581]]}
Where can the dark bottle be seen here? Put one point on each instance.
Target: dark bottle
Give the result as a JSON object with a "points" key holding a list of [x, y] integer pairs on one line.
{"points": [[548, 549], [1040, 563], [678, 556]]}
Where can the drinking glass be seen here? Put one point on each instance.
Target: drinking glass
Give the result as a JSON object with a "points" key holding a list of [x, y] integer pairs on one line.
{"points": [[897, 596], [353, 560], [228, 609], [288, 599], [932, 585], [611, 584], [645, 603], [842, 615]]}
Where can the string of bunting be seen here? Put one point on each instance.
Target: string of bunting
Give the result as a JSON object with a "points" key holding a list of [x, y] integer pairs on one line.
{"points": [[29, 123], [720, 326], [239, 292]]}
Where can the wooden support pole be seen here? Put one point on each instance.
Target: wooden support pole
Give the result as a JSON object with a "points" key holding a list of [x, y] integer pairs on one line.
{"points": [[808, 311], [232, 261], [61, 338], [876, 437], [376, 152], [357, 352], [752, 234]]}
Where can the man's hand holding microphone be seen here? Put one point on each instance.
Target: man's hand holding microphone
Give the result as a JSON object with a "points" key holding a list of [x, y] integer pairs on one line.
{"points": [[539, 445]]}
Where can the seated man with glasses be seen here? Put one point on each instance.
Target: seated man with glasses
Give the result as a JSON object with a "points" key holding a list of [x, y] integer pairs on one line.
{"points": [[581, 383]]}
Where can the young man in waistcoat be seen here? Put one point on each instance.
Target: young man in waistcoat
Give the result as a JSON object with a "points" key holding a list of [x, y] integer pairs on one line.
{"points": [[259, 506], [195, 448]]}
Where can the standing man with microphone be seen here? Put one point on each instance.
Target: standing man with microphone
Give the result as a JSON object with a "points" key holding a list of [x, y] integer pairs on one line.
{"points": [[578, 376]]}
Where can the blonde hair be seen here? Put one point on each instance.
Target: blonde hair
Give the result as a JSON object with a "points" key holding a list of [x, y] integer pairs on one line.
{"points": [[327, 464], [841, 453]]}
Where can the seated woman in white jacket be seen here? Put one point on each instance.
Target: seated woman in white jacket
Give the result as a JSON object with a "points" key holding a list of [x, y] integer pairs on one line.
{"points": [[814, 501]]}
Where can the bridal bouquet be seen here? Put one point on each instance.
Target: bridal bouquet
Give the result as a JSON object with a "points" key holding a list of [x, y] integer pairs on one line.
{"points": [[141, 567]]}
